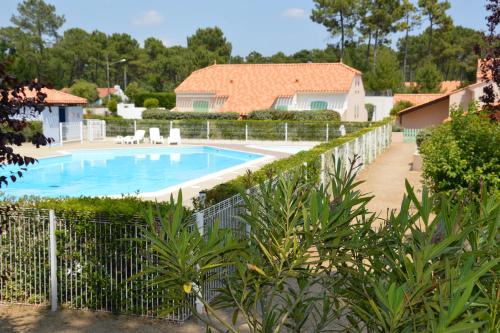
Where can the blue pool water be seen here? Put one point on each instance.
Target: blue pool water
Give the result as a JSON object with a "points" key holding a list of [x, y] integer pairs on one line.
{"points": [[122, 171]]}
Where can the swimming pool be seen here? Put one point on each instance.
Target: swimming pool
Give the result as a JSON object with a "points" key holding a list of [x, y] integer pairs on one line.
{"points": [[111, 172]]}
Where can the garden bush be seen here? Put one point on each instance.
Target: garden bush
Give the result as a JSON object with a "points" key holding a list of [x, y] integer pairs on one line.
{"points": [[399, 106], [112, 106], [174, 115], [151, 103], [325, 115], [463, 154], [166, 100]]}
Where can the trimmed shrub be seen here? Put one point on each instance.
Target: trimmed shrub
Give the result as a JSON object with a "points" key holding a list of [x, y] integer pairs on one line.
{"points": [[325, 115], [401, 105], [151, 103], [166, 100], [462, 155], [112, 106], [170, 115]]}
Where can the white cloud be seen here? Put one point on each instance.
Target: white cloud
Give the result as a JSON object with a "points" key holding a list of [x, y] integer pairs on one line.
{"points": [[294, 13], [151, 17]]}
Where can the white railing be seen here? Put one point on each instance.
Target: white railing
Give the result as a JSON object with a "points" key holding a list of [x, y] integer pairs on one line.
{"points": [[90, 130], [410, 134], [45, 257]]}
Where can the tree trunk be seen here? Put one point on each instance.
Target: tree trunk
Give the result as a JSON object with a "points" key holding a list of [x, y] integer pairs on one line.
{"points": [[343, 35], [375, 47], [405, 59], [430, 34], [368, 49]]}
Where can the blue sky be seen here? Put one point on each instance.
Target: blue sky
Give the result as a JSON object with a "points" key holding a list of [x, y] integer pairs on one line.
{"points": [[266, 26]]}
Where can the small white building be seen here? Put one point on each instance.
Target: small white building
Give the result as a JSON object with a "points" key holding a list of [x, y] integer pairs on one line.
{"points": [[61, 108], [244, 88], [103, 94]]}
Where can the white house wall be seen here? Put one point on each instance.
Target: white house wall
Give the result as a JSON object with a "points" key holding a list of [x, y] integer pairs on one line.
{"points": [[383, 106], [356, 110], [302, 101]]}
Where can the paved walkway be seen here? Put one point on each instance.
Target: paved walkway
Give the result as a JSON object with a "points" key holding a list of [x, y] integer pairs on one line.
{"points": [[385, 178]]}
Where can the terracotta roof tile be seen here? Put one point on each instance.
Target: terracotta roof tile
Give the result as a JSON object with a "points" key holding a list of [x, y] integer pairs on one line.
{"points": [[57, 97], [103, 92], [256, 86], [416, 99]]}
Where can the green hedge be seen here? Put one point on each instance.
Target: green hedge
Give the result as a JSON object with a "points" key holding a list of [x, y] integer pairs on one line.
{"points": [[169, 115], [167, 100], [311, 157], [324, 115]]}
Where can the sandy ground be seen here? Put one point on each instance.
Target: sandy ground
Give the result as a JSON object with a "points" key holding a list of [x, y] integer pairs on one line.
{"points": [[385, 179]]}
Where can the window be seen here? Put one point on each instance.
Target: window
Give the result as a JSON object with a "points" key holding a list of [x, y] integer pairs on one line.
{"points": [[319, 105], [200, 106], [356, 111], [282, 107]]}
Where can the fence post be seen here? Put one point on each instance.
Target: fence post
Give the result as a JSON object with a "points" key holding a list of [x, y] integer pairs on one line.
{"points": [[246, 132], [53, 260], [81, 131], [197, 289], [286, 132], [61, 134], [103, 129], [135, 126], [323, 170], [327, 132], [208, 130]]}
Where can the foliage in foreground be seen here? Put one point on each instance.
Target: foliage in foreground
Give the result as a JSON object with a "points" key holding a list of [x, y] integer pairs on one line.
{"points": [[313, 261], [462, 155]]}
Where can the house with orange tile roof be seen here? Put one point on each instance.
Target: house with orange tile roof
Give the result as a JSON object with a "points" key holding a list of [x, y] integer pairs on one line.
{"points": [[434, 109], [244, 88], [437, 110]]}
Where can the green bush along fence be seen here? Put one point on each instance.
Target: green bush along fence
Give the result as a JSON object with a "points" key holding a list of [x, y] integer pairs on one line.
{"points": [[237, 129], [94, 255]]}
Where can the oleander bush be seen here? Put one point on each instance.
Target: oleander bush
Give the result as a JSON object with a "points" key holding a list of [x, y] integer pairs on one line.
{"points": [[311, 261], [462, 155], [174, 115], [319, 115]]}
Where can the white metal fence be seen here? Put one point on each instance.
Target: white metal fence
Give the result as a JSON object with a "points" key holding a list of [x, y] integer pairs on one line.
{"points": [[410, 134], [87, 263], [239, 129], [90, 130]]}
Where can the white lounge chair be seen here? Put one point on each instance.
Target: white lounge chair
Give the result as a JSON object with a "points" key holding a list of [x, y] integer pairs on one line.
{"points": [[120, 139], [154, 136], [175, 136], [137, 138]]}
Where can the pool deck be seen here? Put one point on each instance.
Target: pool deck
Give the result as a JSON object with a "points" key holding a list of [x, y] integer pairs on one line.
{"points": [[191, 188]]}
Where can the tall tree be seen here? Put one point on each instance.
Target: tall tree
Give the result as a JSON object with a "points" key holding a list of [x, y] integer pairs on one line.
{"points": [[435, 11], [41, 23], [338, 16], [210, 45], [410, 20], [428, 78]]}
